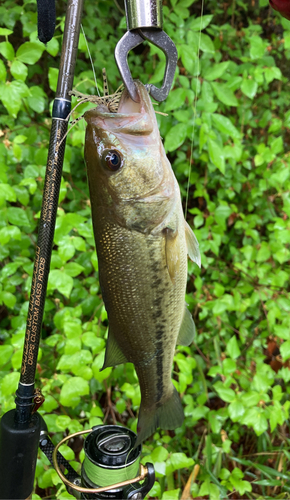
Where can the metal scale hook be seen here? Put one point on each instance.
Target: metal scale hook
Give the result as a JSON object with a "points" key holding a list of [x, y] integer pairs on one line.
{"points": [[144, 22]]}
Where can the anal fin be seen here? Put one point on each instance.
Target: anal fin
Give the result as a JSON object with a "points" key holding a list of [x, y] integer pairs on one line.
{"points": [[192, 245], [113, 356], [187, 329]]}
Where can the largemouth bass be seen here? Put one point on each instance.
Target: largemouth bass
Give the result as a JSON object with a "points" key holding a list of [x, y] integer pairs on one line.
{"points": [[142, 242]]}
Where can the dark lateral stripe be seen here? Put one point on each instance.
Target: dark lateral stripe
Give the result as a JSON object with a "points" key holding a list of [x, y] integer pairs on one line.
{"points": [[159, 370]]}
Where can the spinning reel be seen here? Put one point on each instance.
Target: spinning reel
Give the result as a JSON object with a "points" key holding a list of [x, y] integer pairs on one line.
{"points": [[110, 469]]}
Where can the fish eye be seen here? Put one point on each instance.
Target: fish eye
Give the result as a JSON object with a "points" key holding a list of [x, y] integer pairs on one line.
{"points": [[113, 159]]}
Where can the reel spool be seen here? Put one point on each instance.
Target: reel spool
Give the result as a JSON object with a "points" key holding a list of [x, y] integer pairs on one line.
{"points": [[111, 466], [110, 459]]}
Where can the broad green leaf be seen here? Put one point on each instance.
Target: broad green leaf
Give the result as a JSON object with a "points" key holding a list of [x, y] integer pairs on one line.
{"points": [[250, 398], [90, 339], [282, 332], [8, 299], [277, 146], [72, 390], [29, 52], [260, 425], [72, 345], [224, 94], [17, 216], [181, 10], [214, 492], [175, 137], [52, 47], [79, 243], [264, 253], [285, 350], [249, 88], [200, 23], [62, 423], [159, 454], [9, 269], [216, 71], [155, 491], [236, 410], [49, 404], [175, 99], [216, 155], [221, 213], [11, 95], [66, 250], [171, 495], [272, 74], [225, 393], [215, 422], [7, 50], [219, 307], [206, 44], [261, 382], [224, 125], [178, 461], [69, 362], [219, 290], [37, 99], [6, 352], [189, 57], [5, 32], [257, 47], [255, 417], [232, 348], [73, 269], [59, 280], [9, 383], [52, 78], [7, 193], [97, 365], [3, 71], [277, 415], [19, 70]]}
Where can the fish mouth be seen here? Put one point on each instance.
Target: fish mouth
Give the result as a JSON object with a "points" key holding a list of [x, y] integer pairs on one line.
{"points": [[133, 118], [156, 194]]}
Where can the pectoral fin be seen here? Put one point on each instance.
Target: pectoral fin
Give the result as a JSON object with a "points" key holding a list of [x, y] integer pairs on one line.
{"points": [[172, 250], [192, 245], [114, 355], [187, 329]]}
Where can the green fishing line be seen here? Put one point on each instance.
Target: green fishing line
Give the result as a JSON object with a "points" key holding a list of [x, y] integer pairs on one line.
{"points": [[105, 477]]}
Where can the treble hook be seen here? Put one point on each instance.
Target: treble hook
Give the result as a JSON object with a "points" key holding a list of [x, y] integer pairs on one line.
{"points": [[144, 22]]}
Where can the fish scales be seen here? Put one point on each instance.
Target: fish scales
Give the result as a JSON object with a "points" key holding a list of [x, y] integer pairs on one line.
{"points": [[140, 295], [142, 243]]}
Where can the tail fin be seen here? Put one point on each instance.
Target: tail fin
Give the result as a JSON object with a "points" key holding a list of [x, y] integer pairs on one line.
{"points": [[169, 416]]}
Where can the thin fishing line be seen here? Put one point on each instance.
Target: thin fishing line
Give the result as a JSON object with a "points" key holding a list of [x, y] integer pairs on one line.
{"points": [[138, 460], [91, 60], [194, 110]]}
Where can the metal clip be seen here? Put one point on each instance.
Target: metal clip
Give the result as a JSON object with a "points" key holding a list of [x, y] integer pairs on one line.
{"points": [[134, 38], [38, 400], [144, 22]]}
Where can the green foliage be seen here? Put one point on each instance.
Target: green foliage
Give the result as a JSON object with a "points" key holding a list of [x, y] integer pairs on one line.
{"points": [[228, 130]]}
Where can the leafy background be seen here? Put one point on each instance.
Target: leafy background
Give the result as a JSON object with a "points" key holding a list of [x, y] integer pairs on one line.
{"points": [[230, 107]]}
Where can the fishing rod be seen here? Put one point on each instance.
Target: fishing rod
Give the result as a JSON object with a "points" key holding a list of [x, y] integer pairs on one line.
{"points": [[111, 465]]}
